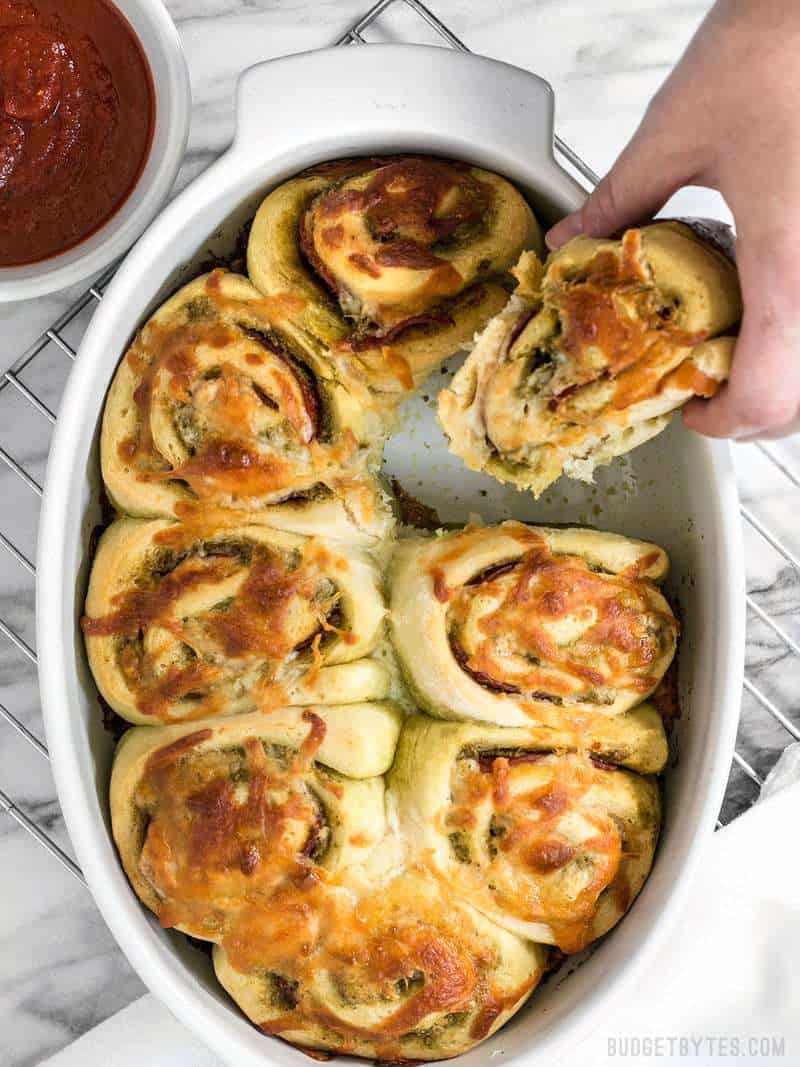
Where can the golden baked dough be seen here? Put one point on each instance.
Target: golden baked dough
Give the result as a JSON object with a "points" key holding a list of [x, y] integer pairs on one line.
{"points": [[222, 401], [529, 626], [184, 621], [593, 354], [398, 261], [553, 845]]}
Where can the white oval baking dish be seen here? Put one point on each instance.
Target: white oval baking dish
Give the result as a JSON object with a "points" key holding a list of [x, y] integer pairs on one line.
{"points": [[679, 491]]}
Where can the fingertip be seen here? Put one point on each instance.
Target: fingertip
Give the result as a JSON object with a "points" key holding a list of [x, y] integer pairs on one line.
{"points": [[704, 417], [564, 231], [716, 418], [692, 415]]}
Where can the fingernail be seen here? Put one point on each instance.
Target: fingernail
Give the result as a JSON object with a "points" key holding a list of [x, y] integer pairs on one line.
{"points": [[564, 230]]}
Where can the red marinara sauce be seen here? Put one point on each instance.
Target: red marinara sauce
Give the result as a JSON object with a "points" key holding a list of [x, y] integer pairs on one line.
{"points": [[76, 122]]}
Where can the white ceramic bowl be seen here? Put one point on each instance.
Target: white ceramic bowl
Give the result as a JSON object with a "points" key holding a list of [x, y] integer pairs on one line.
{"points": [[336, 103], [159, 39]]}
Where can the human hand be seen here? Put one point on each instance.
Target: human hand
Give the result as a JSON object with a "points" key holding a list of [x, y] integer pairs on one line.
{"points": [[727, 118]]}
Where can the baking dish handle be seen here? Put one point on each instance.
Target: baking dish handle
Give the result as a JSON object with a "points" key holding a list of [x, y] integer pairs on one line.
{"points": [[369, 98]]}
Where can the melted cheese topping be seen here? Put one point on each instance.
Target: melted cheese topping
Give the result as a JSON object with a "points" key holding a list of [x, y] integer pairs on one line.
{"points": [[606, 338], [227, 826], [224, 408], [217, 617], [612, 315], [383, 240], [234, 847], [549, 627], [533, 839], [403, 962], [615, 323]]}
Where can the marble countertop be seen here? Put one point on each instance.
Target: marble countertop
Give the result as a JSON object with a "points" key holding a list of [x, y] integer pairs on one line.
{"points": [[60, 971]]}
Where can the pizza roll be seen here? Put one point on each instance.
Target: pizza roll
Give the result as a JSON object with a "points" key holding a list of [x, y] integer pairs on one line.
{"points": [[593, 353], [222, 402], [186, 621], [530, 626], [553, 845], [397, 261]]}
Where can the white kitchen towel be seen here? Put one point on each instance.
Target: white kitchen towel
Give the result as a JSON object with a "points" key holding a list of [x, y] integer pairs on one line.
{"points": [[727, 986], [144, 1034], [785, 772]]}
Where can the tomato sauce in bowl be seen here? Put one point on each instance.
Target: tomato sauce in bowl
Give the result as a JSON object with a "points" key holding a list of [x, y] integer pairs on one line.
{"points": [[77, 112]]}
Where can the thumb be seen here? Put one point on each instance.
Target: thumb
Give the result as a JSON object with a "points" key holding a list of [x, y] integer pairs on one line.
{"points": [[641, 181]]}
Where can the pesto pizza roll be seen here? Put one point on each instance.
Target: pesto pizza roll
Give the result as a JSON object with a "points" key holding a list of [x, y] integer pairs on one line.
{"points": [[593, 354], [403, 972], [212, 816], [519, 625], [398, 261], [552, 844], [222, 402], [187, 621]]}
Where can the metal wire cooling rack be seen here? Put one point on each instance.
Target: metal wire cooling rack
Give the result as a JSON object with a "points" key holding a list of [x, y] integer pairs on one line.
{"points": [[60, 341]]}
